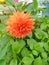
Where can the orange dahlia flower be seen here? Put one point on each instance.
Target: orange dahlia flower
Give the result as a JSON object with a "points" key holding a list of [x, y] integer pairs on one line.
{"points": [[20, 25]]}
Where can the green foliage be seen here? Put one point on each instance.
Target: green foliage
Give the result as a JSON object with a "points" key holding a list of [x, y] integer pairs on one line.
{"points": [[35, 52], [27, 60], [35, 4], [31, 50], [2, 62], [13, 62], [3, 17], [31, 42], [38, 61], [9, 3]]}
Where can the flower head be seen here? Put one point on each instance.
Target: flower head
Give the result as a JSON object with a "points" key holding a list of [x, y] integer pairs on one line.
{"points": [[16, 1], [2, 1], [20, 25]]}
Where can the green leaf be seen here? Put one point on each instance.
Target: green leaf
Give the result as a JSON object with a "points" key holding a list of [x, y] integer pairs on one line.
{"points": [[27, 60], [2, 62], [46, 46], [45, 62], [41, 44], [22, 43], [2, 27], [38, 48], [25, 52], [8, 55], [40, 34], [19, 6], [16, 47], [29, 8], [44, 55], [4, 40], [3, 51], [9, 3], [13, 62], [19, 64], [43, 26], [24, 7], [1, 34], [38, 61], [35, 52], [48, 59], [31, 43], [4, 17], [35, 4]]}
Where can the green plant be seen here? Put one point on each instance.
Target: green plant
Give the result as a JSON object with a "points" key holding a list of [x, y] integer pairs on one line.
{"points": [[31, 50]]}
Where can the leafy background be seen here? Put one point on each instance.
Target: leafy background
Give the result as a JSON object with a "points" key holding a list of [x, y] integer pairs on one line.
{"points": [[31, 50]]}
